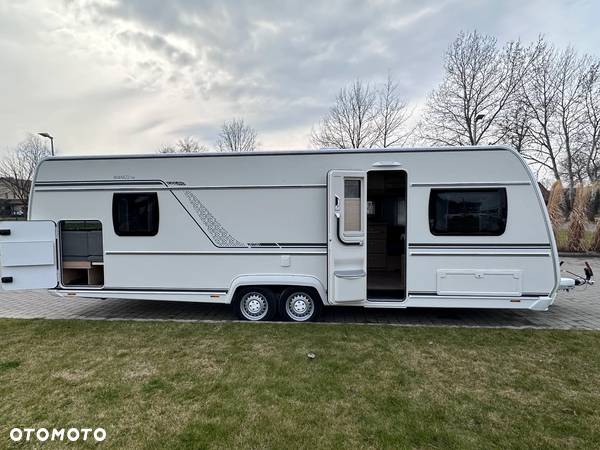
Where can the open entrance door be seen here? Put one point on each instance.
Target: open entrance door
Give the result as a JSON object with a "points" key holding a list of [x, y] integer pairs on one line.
{"points": [[28, 255], [386, 235], [346, 241]]}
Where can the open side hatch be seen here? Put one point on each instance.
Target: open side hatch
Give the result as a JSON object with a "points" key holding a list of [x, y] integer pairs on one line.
{"points": [[81, 253], [28, 255]]}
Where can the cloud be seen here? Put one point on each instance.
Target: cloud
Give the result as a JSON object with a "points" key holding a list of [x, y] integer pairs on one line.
{"points": [[126, 76], [158, 44]]}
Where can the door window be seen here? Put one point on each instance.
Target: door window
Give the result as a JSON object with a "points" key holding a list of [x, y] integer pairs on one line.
{"points": [[353, 207]]}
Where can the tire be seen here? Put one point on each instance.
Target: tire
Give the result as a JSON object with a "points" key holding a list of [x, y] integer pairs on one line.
{"points": [[255, 304], [300, 305]]}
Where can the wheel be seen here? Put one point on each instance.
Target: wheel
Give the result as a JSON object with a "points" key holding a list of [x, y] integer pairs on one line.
{"points": [[300, 305], [255, 304]]}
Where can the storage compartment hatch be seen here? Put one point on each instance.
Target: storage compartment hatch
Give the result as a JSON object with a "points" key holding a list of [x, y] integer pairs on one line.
{"points": [[501, 283]]}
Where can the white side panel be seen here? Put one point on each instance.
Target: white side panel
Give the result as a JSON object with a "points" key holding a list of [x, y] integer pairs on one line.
{"points": [[198, 271], [268, 215], [479, 282], [537, 271], [15, 254], [28, 255]]}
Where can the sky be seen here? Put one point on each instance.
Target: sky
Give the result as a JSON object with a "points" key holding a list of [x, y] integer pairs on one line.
{"points": [[117, 76]]}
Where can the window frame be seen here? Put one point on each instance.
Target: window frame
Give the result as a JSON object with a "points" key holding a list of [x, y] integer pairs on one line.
{"points": [[432, 216], [155, 214], [361, 199]]}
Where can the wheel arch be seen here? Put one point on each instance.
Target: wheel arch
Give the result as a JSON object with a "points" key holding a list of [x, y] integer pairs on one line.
{"points": [[283, 280]]}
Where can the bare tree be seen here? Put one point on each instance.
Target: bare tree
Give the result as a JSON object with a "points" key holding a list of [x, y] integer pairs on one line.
{"points": [[237, 136], [350, 121], [480, 82], [590, 133], [17, 168], [560, 100], [540, 96], [391, 115], [514, 125], [571, 70], [185, 145], [364, 116]]}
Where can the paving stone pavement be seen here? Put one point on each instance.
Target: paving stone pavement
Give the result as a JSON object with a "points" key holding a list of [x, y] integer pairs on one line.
{"points": [[578, 309]]}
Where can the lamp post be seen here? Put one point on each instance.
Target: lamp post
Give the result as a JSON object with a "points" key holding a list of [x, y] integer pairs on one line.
{"points": [[47, 135], [477, 119]]}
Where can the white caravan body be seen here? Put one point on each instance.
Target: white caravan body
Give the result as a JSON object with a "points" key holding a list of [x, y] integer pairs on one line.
{"points": [[432, 227]]}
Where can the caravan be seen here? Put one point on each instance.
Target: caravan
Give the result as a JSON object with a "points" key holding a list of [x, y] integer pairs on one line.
{"points": [[289, 232]]}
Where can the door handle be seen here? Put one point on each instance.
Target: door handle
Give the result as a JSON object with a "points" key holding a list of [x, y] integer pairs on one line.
{"points": [[7, 279], [339, 234], [5, 232]]}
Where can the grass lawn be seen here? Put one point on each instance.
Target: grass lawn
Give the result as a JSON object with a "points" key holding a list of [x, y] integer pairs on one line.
{"points": [[178, 385]]}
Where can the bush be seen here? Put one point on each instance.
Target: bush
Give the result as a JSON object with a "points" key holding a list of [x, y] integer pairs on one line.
{"points": [[576, 242], [555, 207], [593, 209]]}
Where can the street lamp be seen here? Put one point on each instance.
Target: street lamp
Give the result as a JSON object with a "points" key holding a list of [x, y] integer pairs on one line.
{"points": [[47, 135], [477, 119]]}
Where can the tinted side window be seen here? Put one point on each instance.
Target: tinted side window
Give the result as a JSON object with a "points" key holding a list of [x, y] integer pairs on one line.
{"points": [[467, 212], [135, 214]]}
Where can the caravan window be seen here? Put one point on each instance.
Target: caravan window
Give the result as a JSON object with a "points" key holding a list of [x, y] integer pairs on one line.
{"points": [[135, 214], [467, 212]]}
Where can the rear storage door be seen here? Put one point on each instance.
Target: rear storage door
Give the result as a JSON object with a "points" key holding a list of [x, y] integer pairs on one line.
{"points": [[28, 255]]}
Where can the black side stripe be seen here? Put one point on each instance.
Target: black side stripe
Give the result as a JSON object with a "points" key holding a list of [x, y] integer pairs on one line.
{"points": [[435, 294], [144, 289], [99, 183], [482, 245]]}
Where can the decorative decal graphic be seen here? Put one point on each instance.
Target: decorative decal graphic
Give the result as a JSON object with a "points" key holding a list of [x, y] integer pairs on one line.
{"points": [[219, 235]]}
